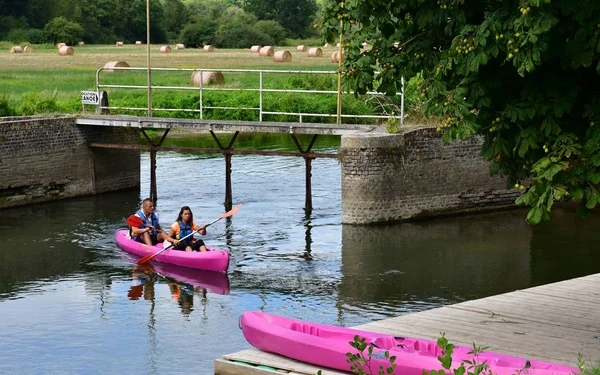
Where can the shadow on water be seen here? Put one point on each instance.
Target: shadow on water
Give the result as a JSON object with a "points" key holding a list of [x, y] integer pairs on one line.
{"points": [[451, 260], [56, 239]]}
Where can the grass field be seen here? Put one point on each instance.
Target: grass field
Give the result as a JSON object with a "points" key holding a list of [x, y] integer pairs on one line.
{"points": [[45, 70], [44, 75]]}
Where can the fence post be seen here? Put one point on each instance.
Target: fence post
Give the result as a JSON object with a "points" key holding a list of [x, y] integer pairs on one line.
{"points": [[201, 96], [402, 102], [260, 103]]}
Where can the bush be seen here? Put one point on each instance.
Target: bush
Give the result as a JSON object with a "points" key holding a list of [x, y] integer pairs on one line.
{"points": [[273, 29], [5, 107], [60, 29], [199, 33], [33, 103], [240, 35], [17, 35], [35, 36]]}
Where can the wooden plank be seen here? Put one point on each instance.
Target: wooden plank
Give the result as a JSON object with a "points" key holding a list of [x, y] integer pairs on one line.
{"points": [[225, 367], [258, 357]]}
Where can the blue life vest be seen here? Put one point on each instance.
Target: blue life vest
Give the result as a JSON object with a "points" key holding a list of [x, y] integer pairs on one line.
{"points": [[154, 219], [185, 230]]}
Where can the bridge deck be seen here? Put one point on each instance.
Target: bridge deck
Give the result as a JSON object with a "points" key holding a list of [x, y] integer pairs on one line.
{"points": [[225, 125]]}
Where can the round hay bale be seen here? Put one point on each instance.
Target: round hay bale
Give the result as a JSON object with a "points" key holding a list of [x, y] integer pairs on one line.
{"points": [[179, 46], [138, 42], [255, 49], [315, 52], [116, 64], [301, 48], [208, 48], [335, 57], [327, 45], [16, 49], [58, 45], [337, 45], [215, 78], [282, 56], [165, 49], [28, 49], [66, 51], [119, 44], [82, 43], [266, 51]]}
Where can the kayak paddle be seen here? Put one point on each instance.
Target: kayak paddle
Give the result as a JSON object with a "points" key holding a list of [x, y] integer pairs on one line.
{"points": [[134, 221], [148, 258]]}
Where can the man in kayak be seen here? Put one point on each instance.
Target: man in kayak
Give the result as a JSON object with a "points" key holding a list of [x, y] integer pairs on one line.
{"points": [[182, 227], [149, 232]]}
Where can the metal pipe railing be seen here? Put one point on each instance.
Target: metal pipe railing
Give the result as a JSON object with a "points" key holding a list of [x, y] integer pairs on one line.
{"points": [[261, 90]]}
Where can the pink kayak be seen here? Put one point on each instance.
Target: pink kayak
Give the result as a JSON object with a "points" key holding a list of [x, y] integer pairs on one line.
{"points": [[327, 346], [212, 260]]}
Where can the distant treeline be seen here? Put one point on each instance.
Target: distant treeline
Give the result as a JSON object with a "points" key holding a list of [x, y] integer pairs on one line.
{"points": [[223, 23]]}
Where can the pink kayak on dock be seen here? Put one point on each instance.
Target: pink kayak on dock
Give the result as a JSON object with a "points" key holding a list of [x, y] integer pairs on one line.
{"points": [[212, 260], [327, 346]]}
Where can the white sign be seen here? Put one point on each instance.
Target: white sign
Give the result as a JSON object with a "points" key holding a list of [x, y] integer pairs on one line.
{"points": [[90, 97]]}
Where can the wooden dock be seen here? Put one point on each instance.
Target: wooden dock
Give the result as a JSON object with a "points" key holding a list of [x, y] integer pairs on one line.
{"points": [[552, 323]]}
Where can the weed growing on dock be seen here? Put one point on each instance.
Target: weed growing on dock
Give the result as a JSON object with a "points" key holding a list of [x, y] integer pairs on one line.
{"points": [[468, 367], [587, 368], [361, 363]]}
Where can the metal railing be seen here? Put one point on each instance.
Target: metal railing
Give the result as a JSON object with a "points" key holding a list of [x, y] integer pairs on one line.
{"points": [[260, 90]]}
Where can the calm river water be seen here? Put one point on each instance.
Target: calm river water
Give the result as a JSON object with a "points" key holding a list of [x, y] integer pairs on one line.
{"points": [[72, 302]]}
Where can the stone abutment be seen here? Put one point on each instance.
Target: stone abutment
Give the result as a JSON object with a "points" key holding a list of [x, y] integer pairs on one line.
{"points": [[399, 177]]}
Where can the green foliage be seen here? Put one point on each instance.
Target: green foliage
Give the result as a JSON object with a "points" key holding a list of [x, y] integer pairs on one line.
{"points": [[312, 82], [62, 30], [295, 15], [176, 17], [240, 35], [5, 107], [392, 125], [467, 366], [360, 363], [35, 103], [273, 29], [587, 368], [524, 75], [199, 33]]}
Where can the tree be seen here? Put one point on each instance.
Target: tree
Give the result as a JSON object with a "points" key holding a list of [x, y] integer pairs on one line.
{"points": [[524, 75], [176, 17], [60, 29], [273, 29], [295, 15]]}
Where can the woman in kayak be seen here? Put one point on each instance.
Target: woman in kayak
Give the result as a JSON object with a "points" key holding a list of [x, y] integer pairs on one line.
{"points": [[183, 226]]}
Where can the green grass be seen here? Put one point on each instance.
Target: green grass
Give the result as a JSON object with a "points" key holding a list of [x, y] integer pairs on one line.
{"points": [[29, 81]]}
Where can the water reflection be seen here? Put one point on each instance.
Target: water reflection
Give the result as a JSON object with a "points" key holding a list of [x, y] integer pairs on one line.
{"points": [[42, 241], [183, 284], [144, 278], [208, 281], [307, 223], [435, 262]]}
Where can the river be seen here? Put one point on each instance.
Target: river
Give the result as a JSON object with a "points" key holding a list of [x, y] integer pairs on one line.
{"points": [[72, 302]]}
